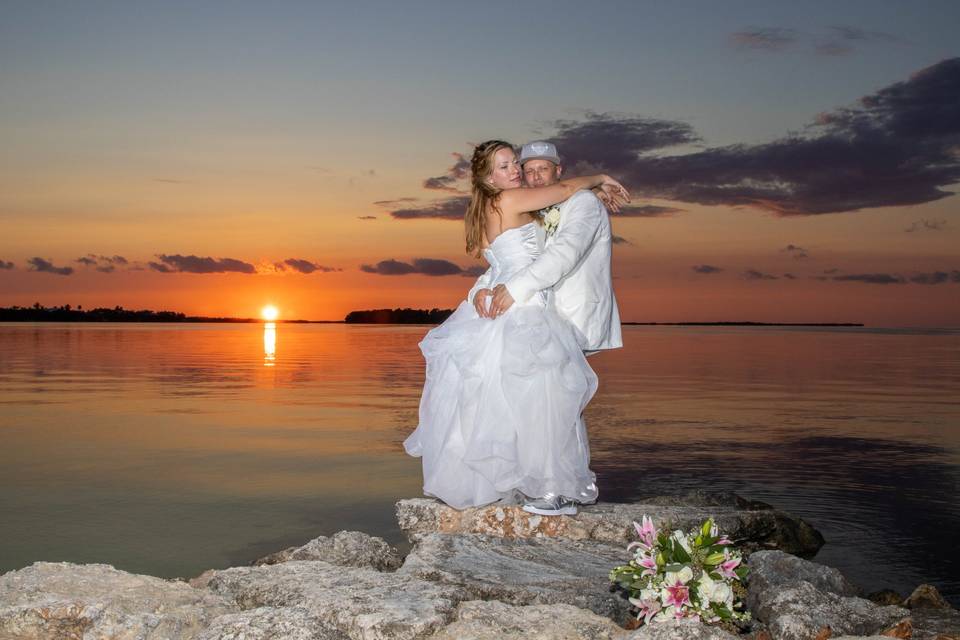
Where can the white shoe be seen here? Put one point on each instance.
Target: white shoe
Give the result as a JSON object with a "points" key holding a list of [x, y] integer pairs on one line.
{"points": [[551, 505]]}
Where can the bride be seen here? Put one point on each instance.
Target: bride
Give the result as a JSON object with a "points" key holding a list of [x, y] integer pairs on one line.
{"points": [[501, 404]]}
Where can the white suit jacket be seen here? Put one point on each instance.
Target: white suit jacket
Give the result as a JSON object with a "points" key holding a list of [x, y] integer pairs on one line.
{"points": [[576, 263]]}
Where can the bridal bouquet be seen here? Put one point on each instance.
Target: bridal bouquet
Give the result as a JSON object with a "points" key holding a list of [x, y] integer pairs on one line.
{"points": [[684, 575]]}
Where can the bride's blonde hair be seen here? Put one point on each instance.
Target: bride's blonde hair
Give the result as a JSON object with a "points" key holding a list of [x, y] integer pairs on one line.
{"points": [[482, 193]]}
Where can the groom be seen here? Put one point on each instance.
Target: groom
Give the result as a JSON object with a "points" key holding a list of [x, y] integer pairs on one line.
{"points": [[575, 263]]}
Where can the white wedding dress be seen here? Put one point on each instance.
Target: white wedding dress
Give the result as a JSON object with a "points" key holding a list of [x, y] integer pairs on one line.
{"points": [[502, 402]]}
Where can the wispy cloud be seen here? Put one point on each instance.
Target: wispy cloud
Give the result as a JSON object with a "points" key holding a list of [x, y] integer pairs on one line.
{"points": [[705, 268], [926, 225], [615, 239], [456, 173], [837, 40], [871, 278], [798, 253], [753, 274], [647, 211], [447, 209], [366, 217], [45, 266], [304, 266], [197, 264], [422, 266], [764, 38]]}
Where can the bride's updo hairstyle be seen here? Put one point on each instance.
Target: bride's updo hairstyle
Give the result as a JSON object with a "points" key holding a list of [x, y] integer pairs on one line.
{"points": [[482, 193]]}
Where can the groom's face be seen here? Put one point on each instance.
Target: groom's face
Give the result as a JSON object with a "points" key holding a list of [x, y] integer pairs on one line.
{"points": [[540, 173]]}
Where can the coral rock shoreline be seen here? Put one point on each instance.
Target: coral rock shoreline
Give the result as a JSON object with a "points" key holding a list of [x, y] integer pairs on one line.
{"points": [[489, 573]]}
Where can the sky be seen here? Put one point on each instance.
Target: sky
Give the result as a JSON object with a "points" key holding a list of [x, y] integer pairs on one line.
{"points": [[789, 162]]}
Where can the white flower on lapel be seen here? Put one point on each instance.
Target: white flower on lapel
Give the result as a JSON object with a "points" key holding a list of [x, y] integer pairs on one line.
{"points": [[551, 219]]}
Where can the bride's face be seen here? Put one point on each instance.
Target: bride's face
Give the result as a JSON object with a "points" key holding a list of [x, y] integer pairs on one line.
{"points": [[506, 172]]}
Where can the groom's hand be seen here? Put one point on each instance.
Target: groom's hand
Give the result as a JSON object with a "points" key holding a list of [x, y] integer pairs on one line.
{"points": [[480, 302], [502, 300]]}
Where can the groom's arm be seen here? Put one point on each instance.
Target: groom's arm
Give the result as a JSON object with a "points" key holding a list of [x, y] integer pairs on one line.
{"points": [[565, 251]]}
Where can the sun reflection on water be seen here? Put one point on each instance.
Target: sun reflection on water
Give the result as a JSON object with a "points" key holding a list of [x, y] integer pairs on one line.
{"points": [[269, 344]]}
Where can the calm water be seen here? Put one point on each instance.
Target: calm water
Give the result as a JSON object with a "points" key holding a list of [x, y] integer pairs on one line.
{"points": [[170, 449]]}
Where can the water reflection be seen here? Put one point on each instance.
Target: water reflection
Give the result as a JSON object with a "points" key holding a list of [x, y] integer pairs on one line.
{"points": [[169, 449], [269, 344]]}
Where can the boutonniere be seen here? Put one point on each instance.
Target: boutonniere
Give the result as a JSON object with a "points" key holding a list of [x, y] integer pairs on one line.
{"points": [[551, 219]]}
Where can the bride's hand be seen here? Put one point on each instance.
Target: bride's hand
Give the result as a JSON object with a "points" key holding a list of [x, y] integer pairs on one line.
{"points": [[610, 198], [480, 302], [614, 187]]}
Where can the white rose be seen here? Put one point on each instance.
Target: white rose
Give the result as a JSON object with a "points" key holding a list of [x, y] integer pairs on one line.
{"points": [[681, 537]]}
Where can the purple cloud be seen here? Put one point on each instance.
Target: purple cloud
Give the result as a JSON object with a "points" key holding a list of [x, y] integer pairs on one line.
{"points": [[447, 209], [926, 225], [305, 266], [647, 211], [422, 266], [45, 266], [197, 264], [871, 278]]}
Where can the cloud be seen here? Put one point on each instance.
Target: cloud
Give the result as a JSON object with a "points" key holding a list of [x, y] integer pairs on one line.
{"points": [[936, 277], [447, 209], [103, 264], [45, 266], [753, 274], [366, 217], [615, 239], [836, 41], [6, 265], [840, 40], [798, 253], [305, 266], [647, 211], [789, 276], [764, 38], [926, 225], [459, 171], [871, 278], [895, 147], [706, 268], [422, 266], [197, 264], [475, 271], [395, 203]]}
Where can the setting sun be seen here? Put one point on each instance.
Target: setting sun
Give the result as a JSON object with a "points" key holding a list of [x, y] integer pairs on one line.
{"points": [[269, 313]]}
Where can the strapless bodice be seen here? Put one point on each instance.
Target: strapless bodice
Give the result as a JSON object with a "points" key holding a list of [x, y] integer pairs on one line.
{"points": [[513, 250]]}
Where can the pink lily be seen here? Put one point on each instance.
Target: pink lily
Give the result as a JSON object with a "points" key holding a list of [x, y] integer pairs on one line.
{"points": [[724, 541], [647, 533], [649, 563], [678, 595], [647, 609], [727, 568]]}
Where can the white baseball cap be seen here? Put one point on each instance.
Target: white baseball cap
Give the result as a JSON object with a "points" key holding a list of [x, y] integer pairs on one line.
{"points": [[539, 150]]}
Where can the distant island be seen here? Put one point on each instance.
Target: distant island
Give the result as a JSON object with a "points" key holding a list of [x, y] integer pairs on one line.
{"points": [[66, 313], [398, 316]]}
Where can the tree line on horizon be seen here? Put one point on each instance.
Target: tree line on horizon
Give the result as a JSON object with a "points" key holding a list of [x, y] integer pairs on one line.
{"points": [[398, 316]]}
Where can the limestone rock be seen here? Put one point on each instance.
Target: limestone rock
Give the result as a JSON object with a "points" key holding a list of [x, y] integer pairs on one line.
{"points": [[63, 600], [800, 611], [926, 596], [773, 570], [476, 620], [270, 623], [350, 601], [754, 527], [524, 571], [346, 548], [680, 630]]}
